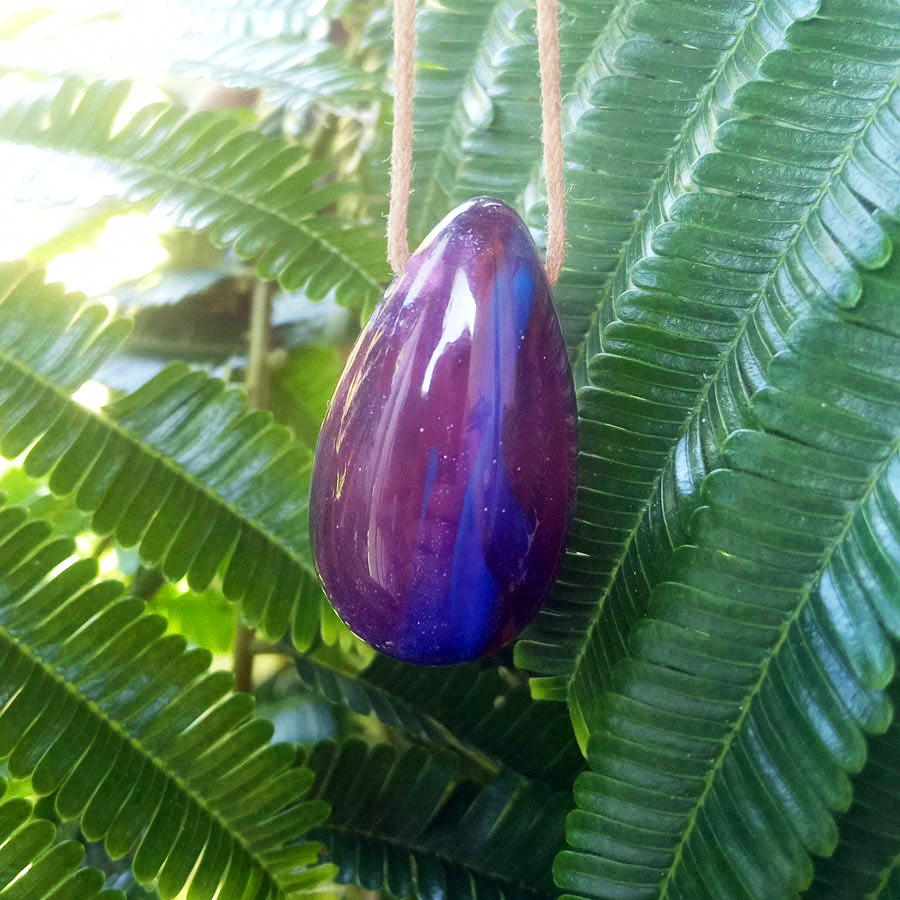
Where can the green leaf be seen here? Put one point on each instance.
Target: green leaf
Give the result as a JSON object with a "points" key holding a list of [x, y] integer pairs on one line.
{"points": [[289, 74], [482, 711], [18, 489], [403, 821], [199, 315], [581, 22], [205, 619], [255, 18], [169, 286], [723, 748], [768, 231], [134, 736], [179, 468], [254, 193], [477, 101]]}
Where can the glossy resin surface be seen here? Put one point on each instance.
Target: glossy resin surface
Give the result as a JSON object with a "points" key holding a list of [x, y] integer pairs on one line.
{"points": [[444, 478]]}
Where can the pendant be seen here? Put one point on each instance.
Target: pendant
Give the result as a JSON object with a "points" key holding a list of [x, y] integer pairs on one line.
{"points": [[444, 477]]}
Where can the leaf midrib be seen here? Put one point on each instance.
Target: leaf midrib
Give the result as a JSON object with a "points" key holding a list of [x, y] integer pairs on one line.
{"points": [[756, 688], [713, 378], [464, 747], [884, 877]]}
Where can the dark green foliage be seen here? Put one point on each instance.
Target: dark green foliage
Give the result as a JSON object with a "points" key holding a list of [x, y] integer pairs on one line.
{"points": [[234, 461], [644, 104], [478, 99], [34, 866], [292, 75], [724, 745], [718, 277], [480, 710], [403, 820], [136, 738], [484, 107], [866, 861]]}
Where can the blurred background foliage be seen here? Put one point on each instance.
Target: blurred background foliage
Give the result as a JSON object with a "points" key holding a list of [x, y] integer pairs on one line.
{"points": [[189, 299]]}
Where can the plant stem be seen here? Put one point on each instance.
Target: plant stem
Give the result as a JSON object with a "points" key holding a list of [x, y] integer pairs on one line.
{"points": [[257, 384]]}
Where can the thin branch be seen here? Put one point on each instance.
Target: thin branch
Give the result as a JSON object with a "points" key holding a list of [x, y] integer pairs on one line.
{"points": [[257, 385]]}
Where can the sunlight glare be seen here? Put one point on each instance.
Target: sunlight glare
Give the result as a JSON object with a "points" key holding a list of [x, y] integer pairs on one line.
{"points": [[24, 225], [92, 395], [108, 562], [112, 39], [128, 247]]}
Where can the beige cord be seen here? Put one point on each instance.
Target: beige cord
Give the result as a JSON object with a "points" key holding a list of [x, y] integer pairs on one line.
{"points": [[551, 132], [402, 139]]}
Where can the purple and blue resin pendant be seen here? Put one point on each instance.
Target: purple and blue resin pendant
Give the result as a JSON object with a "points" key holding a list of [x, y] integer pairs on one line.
{"points": [[444, 478]]}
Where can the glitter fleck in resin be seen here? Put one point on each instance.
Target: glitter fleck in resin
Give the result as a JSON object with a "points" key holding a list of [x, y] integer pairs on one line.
{"points": [[444, 478]]}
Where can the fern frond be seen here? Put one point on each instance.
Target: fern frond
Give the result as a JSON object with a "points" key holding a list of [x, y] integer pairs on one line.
{"points": [[405, 822], [250, 192], [36, 866], [179, 469], [449, 43], [644, 105], [722, 749], [478, 99], [480, 710], [134, 736], [470, 115], [723, 278], [252, 18]]}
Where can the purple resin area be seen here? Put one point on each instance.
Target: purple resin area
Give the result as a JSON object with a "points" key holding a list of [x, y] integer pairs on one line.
{"points": [[444, 478]]}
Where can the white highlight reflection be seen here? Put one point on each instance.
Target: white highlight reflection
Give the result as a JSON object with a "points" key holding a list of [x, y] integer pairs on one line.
{"points": [[459, 317]]}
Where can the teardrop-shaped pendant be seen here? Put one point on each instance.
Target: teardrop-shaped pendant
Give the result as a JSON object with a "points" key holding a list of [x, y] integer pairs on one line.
{"points": [[444, 478]]}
